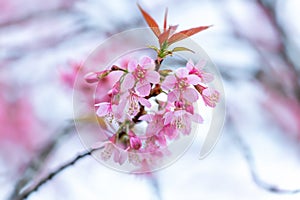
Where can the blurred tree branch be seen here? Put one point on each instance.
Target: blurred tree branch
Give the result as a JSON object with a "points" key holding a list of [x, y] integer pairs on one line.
{"points": [[249, 158], [51, 175], [35, 165]]}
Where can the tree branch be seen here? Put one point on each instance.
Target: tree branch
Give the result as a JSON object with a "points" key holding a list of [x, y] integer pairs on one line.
{"points": [[249, 158], [36, 164], [51, 175]]}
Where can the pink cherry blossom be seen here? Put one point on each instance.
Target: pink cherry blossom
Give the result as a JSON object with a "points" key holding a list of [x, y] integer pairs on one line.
{"points": [[104, 109], [158, 130], [140, 76], [111, 149], [130, 104], [180, 85], [155, 125], [168, 131], [198, 70], [182, 120], [210, 97]]}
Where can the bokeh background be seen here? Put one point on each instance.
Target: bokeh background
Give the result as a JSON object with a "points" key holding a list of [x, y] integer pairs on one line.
{"points": [[254, 43]]}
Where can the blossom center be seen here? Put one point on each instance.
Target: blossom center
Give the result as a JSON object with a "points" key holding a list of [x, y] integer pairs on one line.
{"points": [[133, 106], [214, 97], [182, 83], [178, 123], [140, 73]]}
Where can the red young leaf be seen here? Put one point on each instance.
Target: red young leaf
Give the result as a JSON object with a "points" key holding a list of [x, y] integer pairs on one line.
{"points": [[150, 21], [165, 20], [185, 34], [163, 37]]}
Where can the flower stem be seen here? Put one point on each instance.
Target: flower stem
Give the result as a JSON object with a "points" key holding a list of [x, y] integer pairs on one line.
{"points": [[158, 62]]}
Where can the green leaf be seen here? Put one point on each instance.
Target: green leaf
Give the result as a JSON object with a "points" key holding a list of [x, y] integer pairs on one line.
{"points": [[182, 49]]}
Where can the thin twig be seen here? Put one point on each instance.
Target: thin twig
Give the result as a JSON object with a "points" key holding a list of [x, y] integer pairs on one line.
{"points": [[155, 185], [50, 176], [36, 164], [249, 158], [270, 11]]}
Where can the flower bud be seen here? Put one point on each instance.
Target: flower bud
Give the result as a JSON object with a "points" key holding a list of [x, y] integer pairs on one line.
{"points": [[94, 77], [135, 142], [178, 104]]}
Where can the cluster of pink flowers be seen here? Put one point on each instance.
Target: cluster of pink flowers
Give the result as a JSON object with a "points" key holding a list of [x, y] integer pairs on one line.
{"points": [[162, 100]]}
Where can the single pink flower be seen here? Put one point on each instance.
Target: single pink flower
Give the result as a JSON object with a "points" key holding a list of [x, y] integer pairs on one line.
{"points": [[179, 86], [198, 70], [158, 130], [155, 125], [210, 97], [182, 120], [170, 131], [104, 109], [140, 76], [111, 149], [129, 105]]}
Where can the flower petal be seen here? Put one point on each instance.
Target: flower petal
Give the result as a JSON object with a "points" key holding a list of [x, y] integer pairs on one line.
{"points": [[103, 109], [186, 130], [190, 94], [169, 82], [173, 96], [171, 132], [128, 82], [153, 77], [147, 117], [168, 118], [200, 65], [143, 89], [197, 118], [145, 102], [123, 157], [193, 79], [120, 110], [132, 64], [190, 65], [147, 62], [161, 139], [207, 77], [182, 72]]}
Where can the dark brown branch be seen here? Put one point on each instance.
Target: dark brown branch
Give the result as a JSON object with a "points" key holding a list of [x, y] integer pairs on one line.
{"points": [[50, 176], [154, 92], [140, 113], [36, 164]]}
